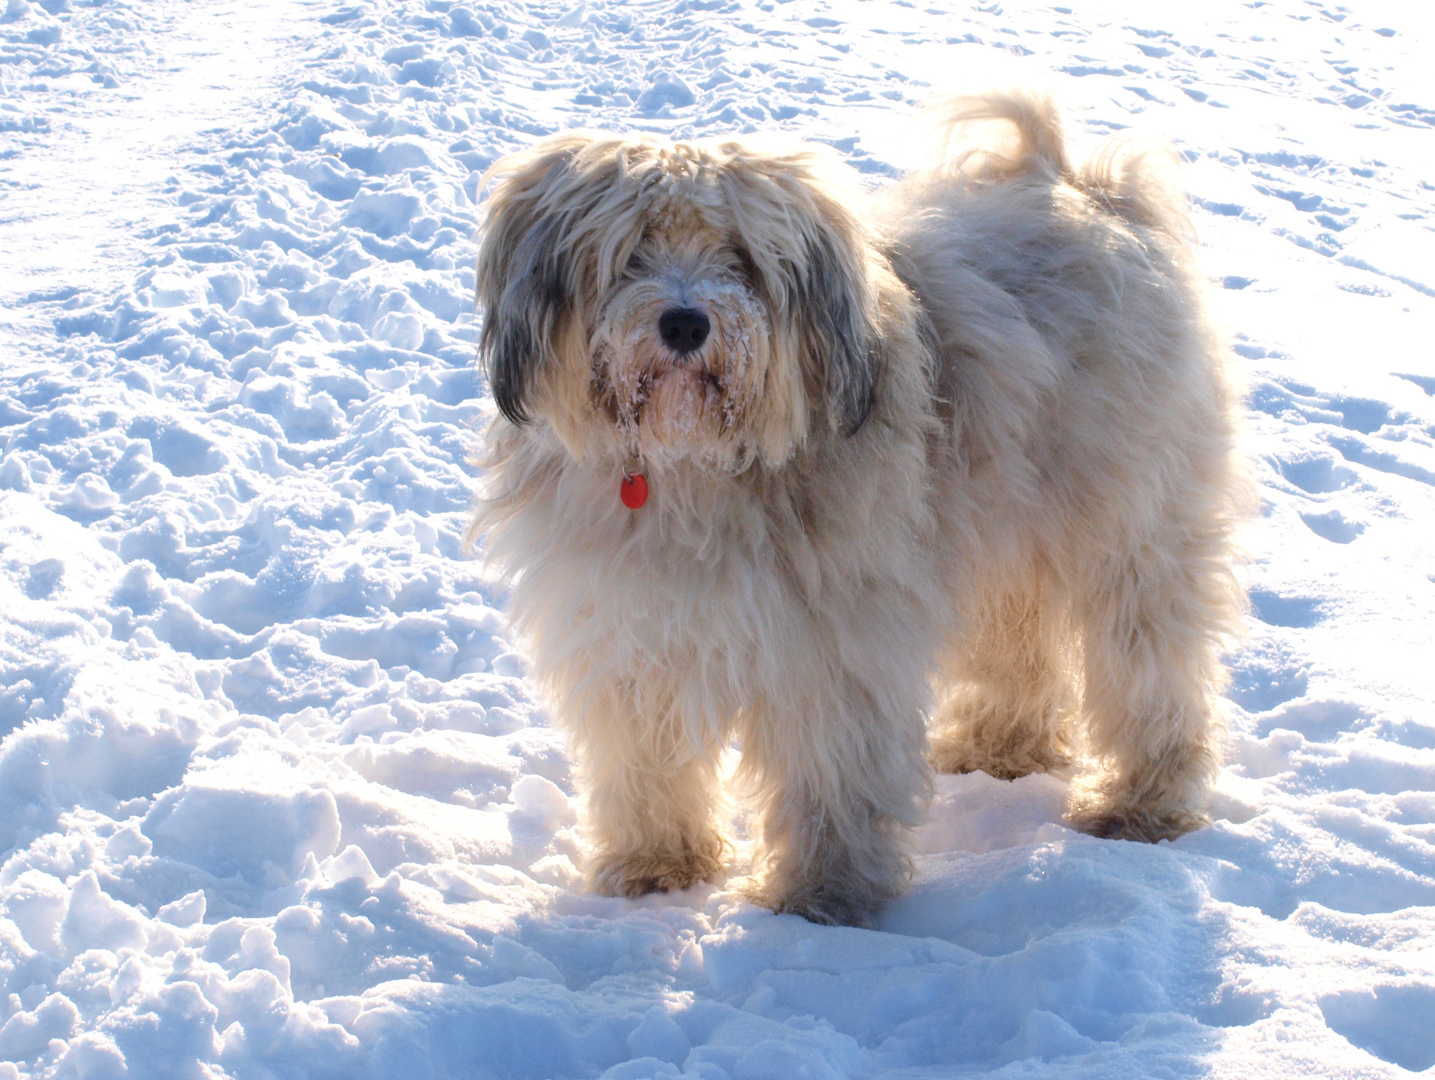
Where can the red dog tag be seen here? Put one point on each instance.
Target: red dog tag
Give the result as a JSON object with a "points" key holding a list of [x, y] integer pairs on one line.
{"points": [[634, 491]]}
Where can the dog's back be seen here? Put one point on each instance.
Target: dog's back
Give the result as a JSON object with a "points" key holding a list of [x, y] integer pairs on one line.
{"points": [[1070, 320], [999, 137]]}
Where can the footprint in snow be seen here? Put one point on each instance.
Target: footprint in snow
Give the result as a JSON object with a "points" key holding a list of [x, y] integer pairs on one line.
{"points": [[1334, 526], [1296, 612], [1391, 1022]]}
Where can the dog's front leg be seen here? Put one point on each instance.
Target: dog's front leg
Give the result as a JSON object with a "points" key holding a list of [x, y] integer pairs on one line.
{"points": [[841, 774], [651, 797]]}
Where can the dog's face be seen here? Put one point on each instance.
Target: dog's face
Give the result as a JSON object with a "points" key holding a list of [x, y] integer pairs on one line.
{"points": [[700, 301]]}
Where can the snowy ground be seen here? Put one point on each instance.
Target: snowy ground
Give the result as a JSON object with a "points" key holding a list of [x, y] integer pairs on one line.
{"points": [[275, 798]]}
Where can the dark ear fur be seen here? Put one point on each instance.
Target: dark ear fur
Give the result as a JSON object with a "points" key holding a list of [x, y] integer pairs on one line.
{"points": [[836, 324], [522, 284]]}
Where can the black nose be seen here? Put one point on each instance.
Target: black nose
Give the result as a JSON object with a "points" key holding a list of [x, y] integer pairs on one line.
{"points": [[683, 329]]}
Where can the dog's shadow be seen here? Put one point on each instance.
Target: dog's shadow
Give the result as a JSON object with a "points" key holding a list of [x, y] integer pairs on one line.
{"points": [[1038, 941], [1018, 940]]}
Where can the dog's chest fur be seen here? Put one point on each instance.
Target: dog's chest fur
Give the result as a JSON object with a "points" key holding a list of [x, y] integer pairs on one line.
{"points": [[722, 575]]}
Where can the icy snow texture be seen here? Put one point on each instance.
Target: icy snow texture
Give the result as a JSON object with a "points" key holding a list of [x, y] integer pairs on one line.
{"points": [[275, 798]]}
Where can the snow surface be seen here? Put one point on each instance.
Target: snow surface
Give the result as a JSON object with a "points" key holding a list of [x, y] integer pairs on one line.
{"points": [[275, 798]]}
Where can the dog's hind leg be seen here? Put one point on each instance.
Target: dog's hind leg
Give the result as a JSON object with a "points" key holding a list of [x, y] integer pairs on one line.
{"points": [[652, 798], [1152, 626], [1008, 692]]}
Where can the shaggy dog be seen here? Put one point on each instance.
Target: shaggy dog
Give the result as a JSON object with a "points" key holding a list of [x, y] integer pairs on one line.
{"points": [[781, 462]]}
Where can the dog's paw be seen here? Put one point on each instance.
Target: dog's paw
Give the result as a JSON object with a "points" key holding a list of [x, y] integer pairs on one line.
{"points": [[955, 754], [825, 906], [1116, 822], [637, 874]]}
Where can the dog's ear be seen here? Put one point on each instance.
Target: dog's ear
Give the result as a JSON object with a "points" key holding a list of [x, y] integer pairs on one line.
{"points": [[523, 281], [835, 314], [799, 225]]}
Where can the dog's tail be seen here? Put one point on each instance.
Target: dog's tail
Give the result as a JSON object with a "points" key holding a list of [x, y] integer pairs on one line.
{"points": [[1001, 135]]}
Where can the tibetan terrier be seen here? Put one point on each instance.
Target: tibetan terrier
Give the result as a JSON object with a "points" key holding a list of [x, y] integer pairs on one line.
{"points": [[781, 462]]}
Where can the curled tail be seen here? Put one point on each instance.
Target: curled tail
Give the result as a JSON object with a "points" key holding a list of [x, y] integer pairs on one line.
{"points": [[1004, 135], [1000, 135]]}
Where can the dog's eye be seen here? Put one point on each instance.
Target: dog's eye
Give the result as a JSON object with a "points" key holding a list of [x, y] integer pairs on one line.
{"points": [[636, 263], [745, 266]]}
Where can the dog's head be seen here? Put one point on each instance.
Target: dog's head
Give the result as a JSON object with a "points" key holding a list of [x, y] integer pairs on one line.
{"points": [[704, 301]]}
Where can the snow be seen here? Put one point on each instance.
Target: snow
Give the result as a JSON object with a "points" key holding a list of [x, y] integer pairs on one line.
{"points": [[275, 796]]}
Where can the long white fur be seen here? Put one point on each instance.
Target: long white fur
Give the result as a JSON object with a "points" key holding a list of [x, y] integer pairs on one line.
{"points": [[1030, 532]]}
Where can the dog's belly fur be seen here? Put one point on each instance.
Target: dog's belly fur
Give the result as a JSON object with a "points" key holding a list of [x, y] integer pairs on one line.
{"points": [[1028, 539]]}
